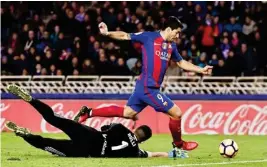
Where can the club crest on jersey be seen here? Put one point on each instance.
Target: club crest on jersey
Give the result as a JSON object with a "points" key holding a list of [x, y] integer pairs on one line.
{"points": [[165, 103], [170, 46], [164, 45]]}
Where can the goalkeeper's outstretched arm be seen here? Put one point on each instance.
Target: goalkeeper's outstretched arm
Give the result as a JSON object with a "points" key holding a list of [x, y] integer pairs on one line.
{"points": [[118, 35], [177, 154], [157, 154]]}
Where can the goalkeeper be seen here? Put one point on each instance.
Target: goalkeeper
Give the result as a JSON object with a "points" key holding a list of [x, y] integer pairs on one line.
{"points": [[113, 140]]}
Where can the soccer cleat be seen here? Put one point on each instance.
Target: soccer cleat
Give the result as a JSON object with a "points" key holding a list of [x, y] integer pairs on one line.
{"points": [[83, 114], [186, 145], [19, 131], [20, 92]]}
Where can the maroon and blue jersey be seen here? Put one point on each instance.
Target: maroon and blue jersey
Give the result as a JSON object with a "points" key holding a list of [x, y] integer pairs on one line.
{"points": [[156, 56]]}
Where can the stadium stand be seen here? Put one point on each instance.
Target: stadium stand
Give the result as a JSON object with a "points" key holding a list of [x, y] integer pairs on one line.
{"points": [[62, 38]]}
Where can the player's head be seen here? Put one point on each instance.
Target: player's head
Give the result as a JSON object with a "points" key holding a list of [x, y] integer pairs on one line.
{"points": [[143, 133], [172, 28]]}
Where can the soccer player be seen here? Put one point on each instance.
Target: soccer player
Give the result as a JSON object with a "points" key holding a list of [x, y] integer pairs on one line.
{"points": [[157, 50], [113, 140]]}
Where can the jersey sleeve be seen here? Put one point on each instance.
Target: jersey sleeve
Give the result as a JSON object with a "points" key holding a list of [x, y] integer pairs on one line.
{"points": [[117, 129], [107, 127], [144, 154], [139, 37], [175, 54]]}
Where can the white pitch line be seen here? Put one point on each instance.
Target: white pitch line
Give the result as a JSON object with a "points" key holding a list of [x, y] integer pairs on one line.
{"points": [[217, 163]]}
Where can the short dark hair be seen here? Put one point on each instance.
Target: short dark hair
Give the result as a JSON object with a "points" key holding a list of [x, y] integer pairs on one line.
{"points": [[144, 132], [172, 22]]}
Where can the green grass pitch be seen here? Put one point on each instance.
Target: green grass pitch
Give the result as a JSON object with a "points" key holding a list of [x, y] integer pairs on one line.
{"points": [[252, 152]]}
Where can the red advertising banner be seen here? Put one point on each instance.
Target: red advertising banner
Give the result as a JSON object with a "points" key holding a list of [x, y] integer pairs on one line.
{"points": [[199, 117]]}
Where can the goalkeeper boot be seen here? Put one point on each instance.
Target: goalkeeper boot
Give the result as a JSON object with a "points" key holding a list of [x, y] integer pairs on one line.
{"points": [[19, 131], [20, 92]]}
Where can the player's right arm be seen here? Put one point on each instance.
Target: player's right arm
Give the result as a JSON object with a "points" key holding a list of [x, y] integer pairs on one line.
{"points": [[178, 154], [158, 154], [148, 154], [120, 35]]}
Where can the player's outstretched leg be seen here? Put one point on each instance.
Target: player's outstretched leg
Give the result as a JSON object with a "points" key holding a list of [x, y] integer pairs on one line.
{"points": [[59, 147], [73, 129], [42, 108], [25, 134], [107, 111]]}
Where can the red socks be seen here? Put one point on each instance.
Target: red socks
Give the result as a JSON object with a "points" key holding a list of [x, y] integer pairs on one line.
{"points": [[109, 111], [175, 128]]}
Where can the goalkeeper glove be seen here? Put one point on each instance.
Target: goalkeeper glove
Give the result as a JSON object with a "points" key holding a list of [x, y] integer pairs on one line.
{"points": [[178, 153]]}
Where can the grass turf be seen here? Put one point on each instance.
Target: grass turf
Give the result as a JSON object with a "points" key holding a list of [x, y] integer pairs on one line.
{"points": [[16, 152]]}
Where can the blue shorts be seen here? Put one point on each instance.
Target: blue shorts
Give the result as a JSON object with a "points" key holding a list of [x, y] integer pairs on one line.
{"points": [[143, 97]]}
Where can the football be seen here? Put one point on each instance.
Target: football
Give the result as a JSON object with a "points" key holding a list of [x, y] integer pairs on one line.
{"points": [[228, 148]]}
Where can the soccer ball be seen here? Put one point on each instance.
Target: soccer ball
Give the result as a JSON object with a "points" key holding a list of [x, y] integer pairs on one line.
{"points": [[228, 148]]}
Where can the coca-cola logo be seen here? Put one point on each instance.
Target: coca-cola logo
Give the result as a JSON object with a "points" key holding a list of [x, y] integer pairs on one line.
{"points": [[58, 109], [95, 122], [241, 117], [245, 119], [3, 107]]}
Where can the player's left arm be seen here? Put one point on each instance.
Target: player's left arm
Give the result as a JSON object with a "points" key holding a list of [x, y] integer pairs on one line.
{"points": [[120, 35], [207, 70]]}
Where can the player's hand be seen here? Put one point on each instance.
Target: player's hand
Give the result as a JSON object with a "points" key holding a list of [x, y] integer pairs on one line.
{"points": [[207, 70], [103, 28]]}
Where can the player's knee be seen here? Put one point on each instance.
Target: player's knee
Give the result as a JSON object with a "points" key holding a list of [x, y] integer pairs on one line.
{"points": [[177, 115], [129, 113], [175, 112], [129, 116]]}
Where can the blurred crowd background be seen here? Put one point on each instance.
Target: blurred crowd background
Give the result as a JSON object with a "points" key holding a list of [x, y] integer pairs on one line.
{"points": [[62, 38]]}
